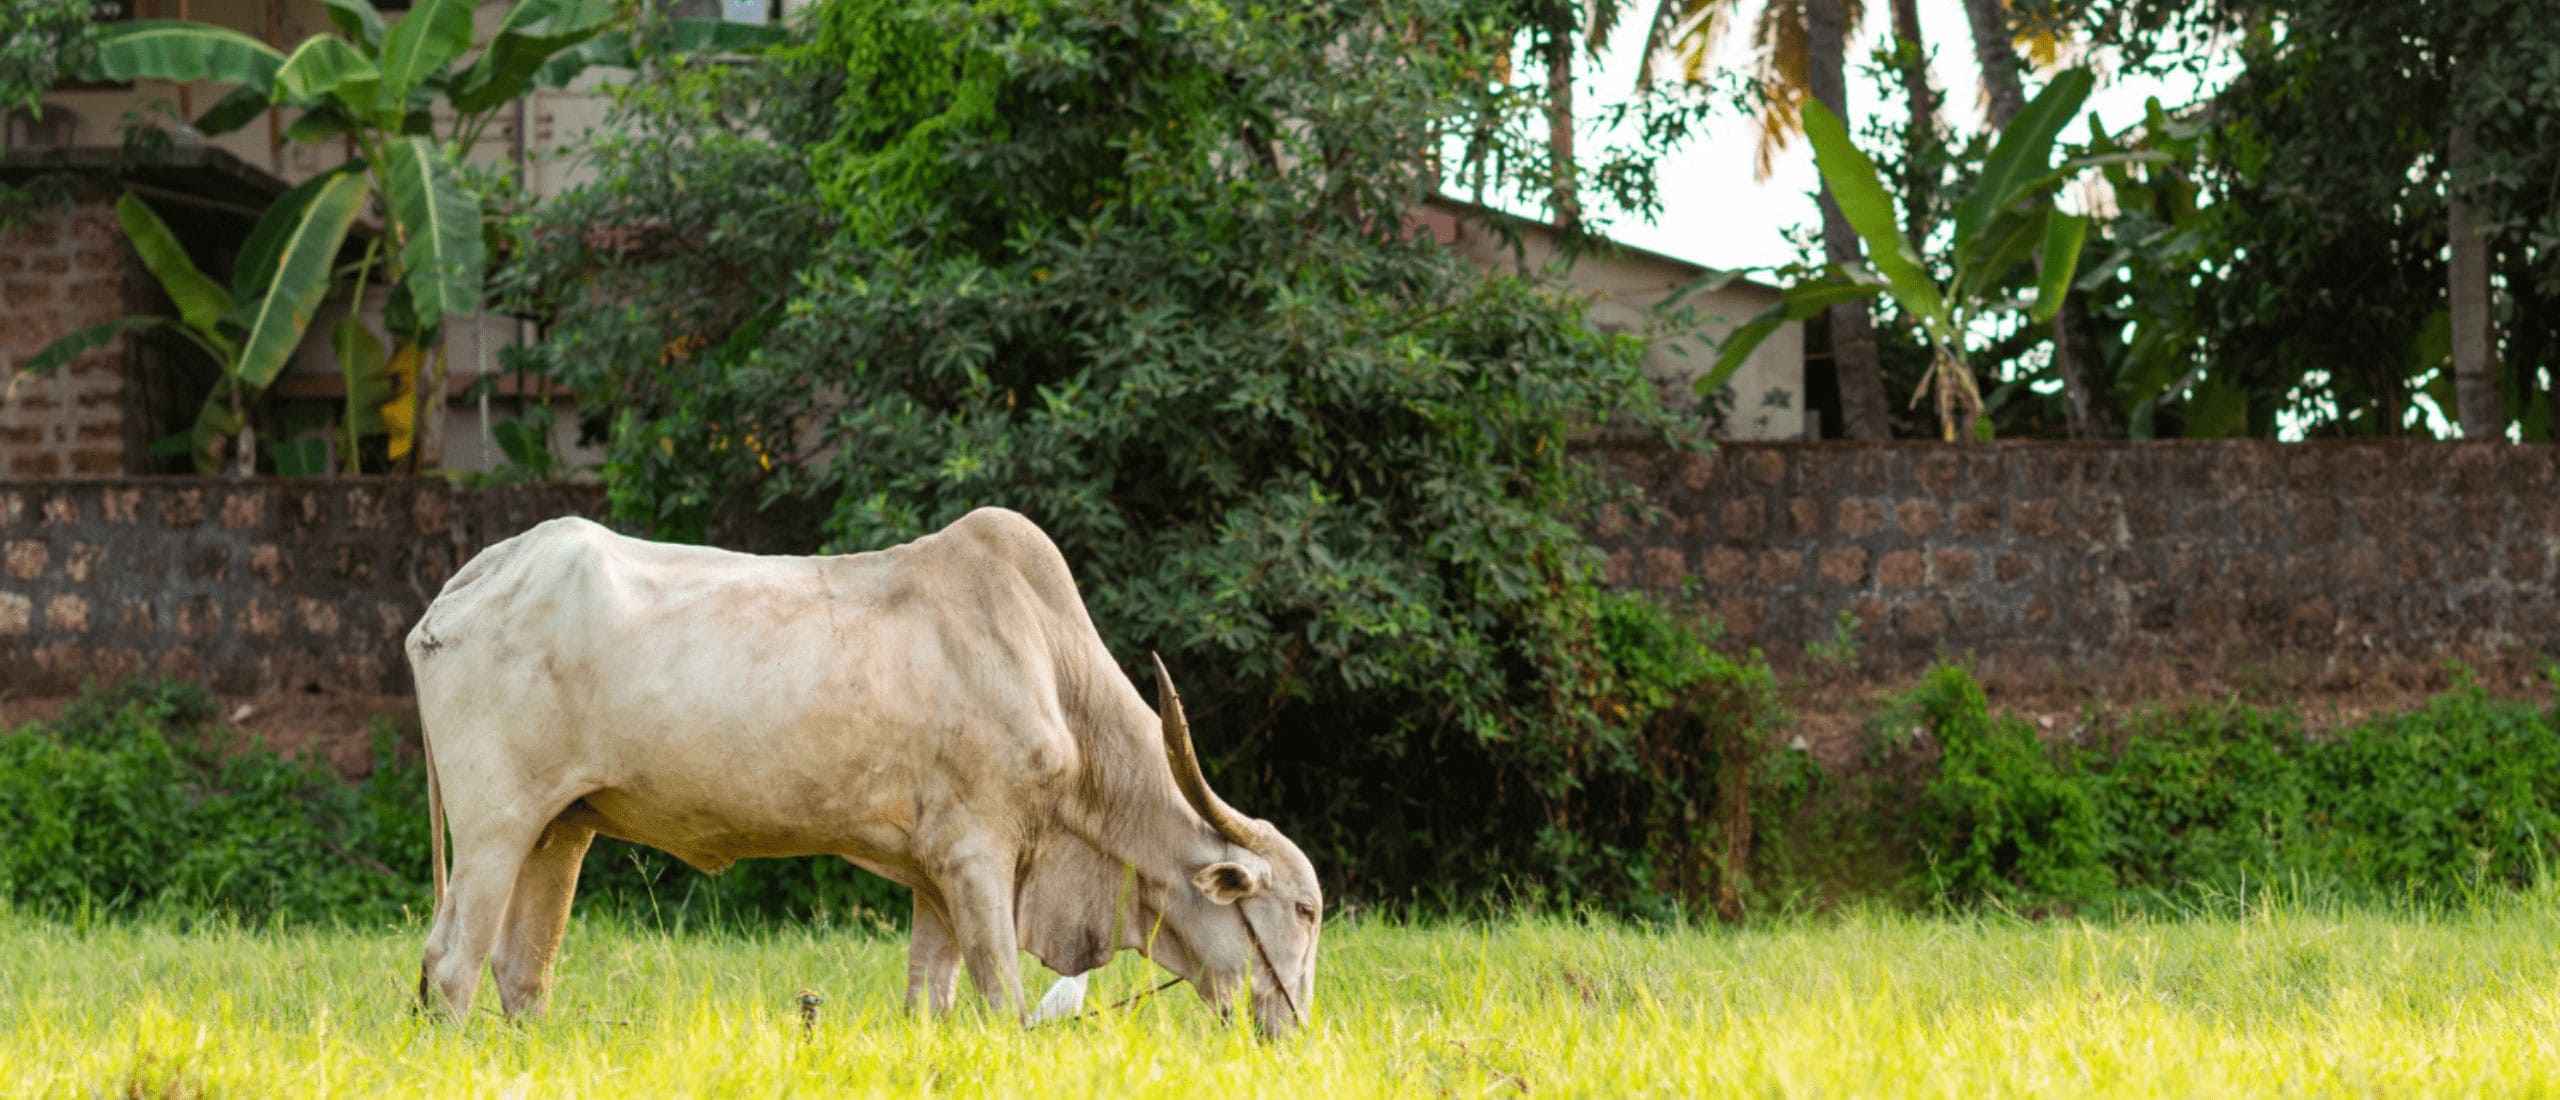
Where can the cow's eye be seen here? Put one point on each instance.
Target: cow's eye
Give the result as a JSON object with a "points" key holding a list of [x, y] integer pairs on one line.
{"points": [[1306, 912]]}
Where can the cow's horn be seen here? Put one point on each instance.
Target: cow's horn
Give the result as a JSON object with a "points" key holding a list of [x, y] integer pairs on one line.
{"points": [[1238, 829]]}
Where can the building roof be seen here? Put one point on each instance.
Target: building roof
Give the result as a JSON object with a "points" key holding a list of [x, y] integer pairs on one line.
{"points": [[1462, 208]]}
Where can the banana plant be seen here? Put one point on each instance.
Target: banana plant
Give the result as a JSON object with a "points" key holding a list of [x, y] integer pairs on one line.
{"points": [[376, 85], [248, 329], [2006, 224]]}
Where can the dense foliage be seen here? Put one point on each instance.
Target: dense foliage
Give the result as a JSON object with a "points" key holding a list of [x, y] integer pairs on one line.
{"points": [[1143, 271], [137, 801], [2456, 797], [41, 41]]}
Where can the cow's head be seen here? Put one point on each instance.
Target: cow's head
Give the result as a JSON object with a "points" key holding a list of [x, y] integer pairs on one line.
{"points": [[1252, 913]]}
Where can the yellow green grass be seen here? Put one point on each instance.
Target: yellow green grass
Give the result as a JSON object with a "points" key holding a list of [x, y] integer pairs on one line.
{"points": [[2273, 1002]]}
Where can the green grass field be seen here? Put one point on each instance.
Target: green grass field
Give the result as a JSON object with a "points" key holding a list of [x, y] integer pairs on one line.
{"points": [[2277, 1002]]}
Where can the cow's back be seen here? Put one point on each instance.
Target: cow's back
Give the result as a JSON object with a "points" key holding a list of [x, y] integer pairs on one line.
{"points": [[728, 693]]}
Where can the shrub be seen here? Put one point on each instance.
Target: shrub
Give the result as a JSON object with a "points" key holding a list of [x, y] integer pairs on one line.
{"points": [[2003, 819], [136, 801]]}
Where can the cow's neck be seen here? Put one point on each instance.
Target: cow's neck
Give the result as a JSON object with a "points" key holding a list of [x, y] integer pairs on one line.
{"points": [[1121, 842]]}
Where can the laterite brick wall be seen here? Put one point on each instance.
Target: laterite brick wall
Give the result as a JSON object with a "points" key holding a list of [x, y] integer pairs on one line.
{"points": [[2042, 558], [250, 587]]}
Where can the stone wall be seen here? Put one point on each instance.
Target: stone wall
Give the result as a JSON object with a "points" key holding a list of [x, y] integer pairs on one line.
{"points": [[2044, 563], [250, 587], [2048, 561], [62, 271]]}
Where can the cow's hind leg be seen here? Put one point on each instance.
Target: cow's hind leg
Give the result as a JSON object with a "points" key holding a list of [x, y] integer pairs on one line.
{"points": [[537, 915], [487, 854], [933, 961]]}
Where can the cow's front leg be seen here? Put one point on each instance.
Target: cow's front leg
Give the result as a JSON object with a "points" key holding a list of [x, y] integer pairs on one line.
{"points": [[933, 961], [979, 896]]}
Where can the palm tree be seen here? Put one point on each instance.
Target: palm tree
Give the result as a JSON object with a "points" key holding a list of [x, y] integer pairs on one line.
{"points": [[1800, 49]]}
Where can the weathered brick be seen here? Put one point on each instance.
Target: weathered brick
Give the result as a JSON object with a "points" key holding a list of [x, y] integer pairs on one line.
{"points": [[2013, 567], [262, 619], [198, 617], [1844, 566], [1902, 569], [1741, 616], [1697, 471], [317, 617], [1920, 620], [1663, 568], [1609, 521], [1953, 566], [1767, 467], [1742, 519], [66, 612], [25, 558], [1916, 518], [1725, 567], [1860, 518], [243, 509], [1620, 569], [1804, 517], [83, 561], [2040, 519], [1781, 567], [17, 614], [1977, 517], [184, 508]]}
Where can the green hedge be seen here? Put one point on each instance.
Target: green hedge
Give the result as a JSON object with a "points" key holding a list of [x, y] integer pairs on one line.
{"points": [[1957, 805], [137, 801]]}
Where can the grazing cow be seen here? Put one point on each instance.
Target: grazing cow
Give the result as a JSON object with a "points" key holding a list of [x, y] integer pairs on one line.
{"points": [[940, 713]]}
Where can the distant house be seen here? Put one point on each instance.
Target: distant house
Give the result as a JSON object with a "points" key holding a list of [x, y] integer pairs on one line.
{"points": [[1628, 288]]}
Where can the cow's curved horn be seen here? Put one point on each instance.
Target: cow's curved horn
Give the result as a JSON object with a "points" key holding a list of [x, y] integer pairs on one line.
{"points": [[1237, 828]]}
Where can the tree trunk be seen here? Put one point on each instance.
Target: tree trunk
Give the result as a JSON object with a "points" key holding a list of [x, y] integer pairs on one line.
{"points": [[1853, 329], [2075, 354], [1997, 53], [1560, 38], [1919, 140], [2475, 379]]}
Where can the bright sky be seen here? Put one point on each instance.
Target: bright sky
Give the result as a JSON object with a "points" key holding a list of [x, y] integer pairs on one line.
{"points": [[1717, 214]]}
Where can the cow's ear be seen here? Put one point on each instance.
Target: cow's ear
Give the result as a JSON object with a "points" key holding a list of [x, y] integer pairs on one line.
{"points": [[1227, 883]]}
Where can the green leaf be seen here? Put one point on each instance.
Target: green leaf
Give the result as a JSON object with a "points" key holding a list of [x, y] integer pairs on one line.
{"points": [[432, 34], [302, 276], [2218, 409], [255, 268], [170, 49], [232, 111], [1985, 267], [358, 20], [1797, 304], [201, 301], [615, 50], [323, 65], [1860, 192], [318, 125], [82, 341], [304, 456], [441, 252], [2024, 151], [533, 32], [360, 365], [2063, 236]]}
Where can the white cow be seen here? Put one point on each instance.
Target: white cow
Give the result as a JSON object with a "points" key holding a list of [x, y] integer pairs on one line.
{"points": [[941, 713]]}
